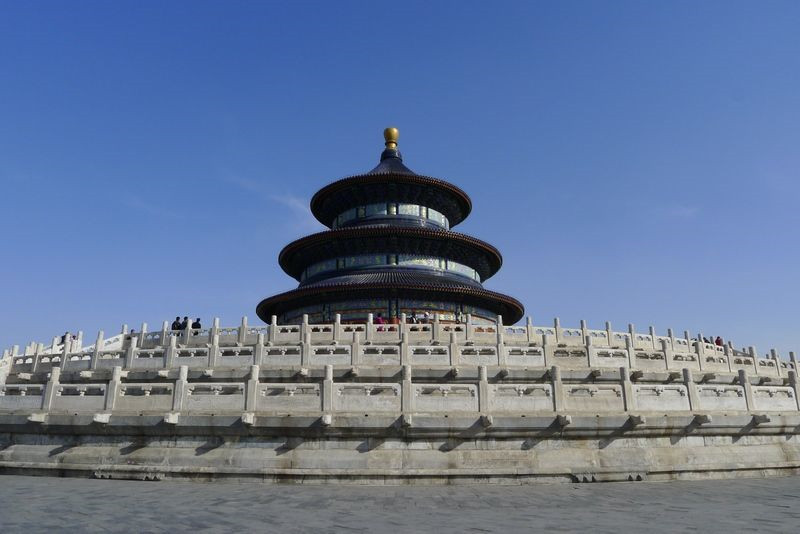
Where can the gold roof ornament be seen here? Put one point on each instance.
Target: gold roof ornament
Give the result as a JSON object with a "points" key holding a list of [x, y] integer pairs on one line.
{"points": [[391, 135]]}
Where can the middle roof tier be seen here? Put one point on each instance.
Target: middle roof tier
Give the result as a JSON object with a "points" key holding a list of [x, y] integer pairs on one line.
{"points": [[461, 249]]}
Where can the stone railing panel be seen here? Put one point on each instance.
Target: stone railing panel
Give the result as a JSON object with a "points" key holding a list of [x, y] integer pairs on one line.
{"points": [[148, 359], [566, 356], [289, 398], [593, 397], [661, 397], [429, 355], [321, 333], [330, 354], [714, 397], [360, 397], [156, 397], [15, 397], [215, 397], [525, 356], [287, 355], [774, 398], [767, 367], [607, 357], [712, 362], [236, 356], [380, 355], [79, 397], [649, 360], [287, 334], [478, 355], [445, 398], [521, 398]]}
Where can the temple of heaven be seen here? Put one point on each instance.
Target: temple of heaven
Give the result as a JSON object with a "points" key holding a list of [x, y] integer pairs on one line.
{"points": [[390, 251]]}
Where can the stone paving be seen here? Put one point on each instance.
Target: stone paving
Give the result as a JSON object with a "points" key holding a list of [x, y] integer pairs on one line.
{"points": [[32, 504]]}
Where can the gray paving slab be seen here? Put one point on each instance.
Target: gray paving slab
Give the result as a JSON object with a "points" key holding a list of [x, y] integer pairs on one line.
{"points": [[34, 504]]}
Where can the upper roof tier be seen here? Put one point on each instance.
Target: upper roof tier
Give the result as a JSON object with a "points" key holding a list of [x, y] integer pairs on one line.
{"points": [[390, 181]]}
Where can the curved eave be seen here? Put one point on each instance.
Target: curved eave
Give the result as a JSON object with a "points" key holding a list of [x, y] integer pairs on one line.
{"points": [[479, 255], [362, 189], [510, 308]]}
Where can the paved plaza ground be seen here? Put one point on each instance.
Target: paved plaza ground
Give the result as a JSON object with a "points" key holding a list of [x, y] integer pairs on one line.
{"points": [[32, 504]]}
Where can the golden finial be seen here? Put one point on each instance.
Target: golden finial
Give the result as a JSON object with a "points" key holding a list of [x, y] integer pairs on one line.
{"points": [[391, 135]]}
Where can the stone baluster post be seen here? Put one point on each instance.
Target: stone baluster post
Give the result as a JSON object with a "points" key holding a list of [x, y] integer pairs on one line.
{"points": [[501, 342], [754, 357], [591, 354], [258, 352], [558, 388], [793, 382], [728, 349], [213, 352], [186, 335], [405, 351], [632, 334], [631, 352], [483, 390], [130, 353], [327, 390], [455, 356], [78, 345], [113, 389], [557, 328], [181, 385], [652, 331], [699, 350], [142, 334], [251, 392], [51, 389], [98, 347], [775, 358], [407, 401], [370, 328], [64, 353], [162, 339], [468, 328], [305, 347], [36, 356], [691, 389], [529, 329], [628, 397], [356, 358], [214, 330], [744, 381], [609, 334], [337, 327], [669, 354], [171, 353], [273, 328], [242, 339], [436, 331]]}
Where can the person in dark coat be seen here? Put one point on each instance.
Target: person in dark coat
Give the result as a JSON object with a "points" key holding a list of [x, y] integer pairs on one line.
{"points": [[176, 324], [185, 323]]}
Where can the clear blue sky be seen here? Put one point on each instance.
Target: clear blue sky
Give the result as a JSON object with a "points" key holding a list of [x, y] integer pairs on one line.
{"points": [[633, 161]]}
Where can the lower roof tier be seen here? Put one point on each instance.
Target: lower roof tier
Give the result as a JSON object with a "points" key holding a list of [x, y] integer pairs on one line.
{"points": [[414, 287]]}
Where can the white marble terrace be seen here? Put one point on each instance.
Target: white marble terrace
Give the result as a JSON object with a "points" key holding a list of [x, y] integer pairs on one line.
{"points": [[421, 368]]}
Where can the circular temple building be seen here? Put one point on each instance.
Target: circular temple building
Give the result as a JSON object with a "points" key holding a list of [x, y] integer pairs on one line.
{"points": [[390, 251]]}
